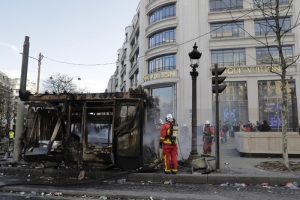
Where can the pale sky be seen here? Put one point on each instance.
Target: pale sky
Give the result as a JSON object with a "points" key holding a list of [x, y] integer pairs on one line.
{"points": [[73, 31]]}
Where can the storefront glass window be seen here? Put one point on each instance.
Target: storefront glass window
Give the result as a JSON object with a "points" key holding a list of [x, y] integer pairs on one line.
{"points": [[165, 101], [270, 104], [233, 104]]}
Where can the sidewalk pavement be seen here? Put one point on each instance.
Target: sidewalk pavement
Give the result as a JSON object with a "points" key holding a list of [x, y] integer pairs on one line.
{"points": [[233, 169]]}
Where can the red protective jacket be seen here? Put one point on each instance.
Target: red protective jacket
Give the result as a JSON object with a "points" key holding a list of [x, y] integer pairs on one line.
{"points": [[166, 133]]}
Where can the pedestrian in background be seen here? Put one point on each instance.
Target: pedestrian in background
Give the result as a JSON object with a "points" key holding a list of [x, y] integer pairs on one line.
{"points": [[168, 140], [265, 126], [11, 137], [225, 130], [208, 135]]}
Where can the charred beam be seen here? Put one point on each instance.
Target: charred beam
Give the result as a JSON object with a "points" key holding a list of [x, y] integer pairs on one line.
{"points": [[22, 92]]}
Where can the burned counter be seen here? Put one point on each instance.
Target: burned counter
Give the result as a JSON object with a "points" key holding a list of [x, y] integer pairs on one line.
{"points": [[102, 129]]}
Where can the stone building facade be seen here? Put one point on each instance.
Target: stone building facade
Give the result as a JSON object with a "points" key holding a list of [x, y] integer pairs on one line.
{"points": [[163, 32]]}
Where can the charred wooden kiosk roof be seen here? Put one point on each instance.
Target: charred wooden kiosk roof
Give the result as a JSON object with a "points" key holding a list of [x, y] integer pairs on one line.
{"points": [[138, 93]]}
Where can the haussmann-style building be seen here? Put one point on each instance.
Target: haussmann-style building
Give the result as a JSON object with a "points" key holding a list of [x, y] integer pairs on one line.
{"points": [[163, 32]]}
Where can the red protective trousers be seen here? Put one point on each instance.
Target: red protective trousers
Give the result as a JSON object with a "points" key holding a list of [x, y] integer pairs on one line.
{"points": [[170, 158]]}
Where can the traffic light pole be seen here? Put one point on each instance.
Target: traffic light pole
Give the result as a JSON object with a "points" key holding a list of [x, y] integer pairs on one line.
{"points": [[217, 139], [217, 88]]}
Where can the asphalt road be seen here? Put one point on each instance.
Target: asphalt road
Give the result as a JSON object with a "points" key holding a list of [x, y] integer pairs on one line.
{"points": [[120, 189]]}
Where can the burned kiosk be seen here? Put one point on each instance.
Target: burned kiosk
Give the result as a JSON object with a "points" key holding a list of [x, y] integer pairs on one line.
{"points": [[98, 128]]}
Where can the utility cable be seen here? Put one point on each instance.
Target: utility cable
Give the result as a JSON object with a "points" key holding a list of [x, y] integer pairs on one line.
{"points": [[177, 45], [81, 64]]}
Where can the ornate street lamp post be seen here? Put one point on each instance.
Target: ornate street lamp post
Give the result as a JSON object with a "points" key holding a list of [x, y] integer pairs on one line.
{"points": [[194, 57]]}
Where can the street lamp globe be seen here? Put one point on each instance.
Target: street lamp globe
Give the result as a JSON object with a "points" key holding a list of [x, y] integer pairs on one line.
{"points": [[195, 55]]}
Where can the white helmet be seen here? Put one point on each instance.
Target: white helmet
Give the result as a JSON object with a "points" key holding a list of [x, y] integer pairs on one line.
{"points": [[169, 117], [207, 122]]}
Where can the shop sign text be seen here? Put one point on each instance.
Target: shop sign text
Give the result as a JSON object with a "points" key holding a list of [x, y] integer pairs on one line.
{"points": [[251, 70], [160, 75]]}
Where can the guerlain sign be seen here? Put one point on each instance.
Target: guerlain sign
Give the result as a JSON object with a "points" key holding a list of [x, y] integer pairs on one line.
{"points": [[160, 75]]}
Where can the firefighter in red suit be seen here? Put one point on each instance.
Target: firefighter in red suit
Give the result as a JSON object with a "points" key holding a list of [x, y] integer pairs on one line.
{"points": [[169, 144]]}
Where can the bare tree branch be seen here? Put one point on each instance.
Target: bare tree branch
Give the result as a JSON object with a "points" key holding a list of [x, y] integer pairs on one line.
{"points": [[294, 61], [60, 84], [275, 22]]}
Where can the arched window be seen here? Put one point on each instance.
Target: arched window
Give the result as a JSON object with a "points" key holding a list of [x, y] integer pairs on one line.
{"points": [[162, 13], [163, 37]]}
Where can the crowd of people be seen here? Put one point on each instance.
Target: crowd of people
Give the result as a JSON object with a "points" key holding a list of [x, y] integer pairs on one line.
{"points": [[228, 130], [250, 127]]}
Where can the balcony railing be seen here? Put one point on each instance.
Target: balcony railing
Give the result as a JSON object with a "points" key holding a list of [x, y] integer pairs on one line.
{"points": [[123, 70], [133, 68], [162, 69]]}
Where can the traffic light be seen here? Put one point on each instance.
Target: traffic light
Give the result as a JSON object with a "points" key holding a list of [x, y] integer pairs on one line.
{"points": [[217, 80], [217, 87]]}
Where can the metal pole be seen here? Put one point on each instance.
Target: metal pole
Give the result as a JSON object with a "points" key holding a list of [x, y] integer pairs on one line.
{"points": [[293, 110], [39, 72], [19, 131], [217, 139], [194, 75]]}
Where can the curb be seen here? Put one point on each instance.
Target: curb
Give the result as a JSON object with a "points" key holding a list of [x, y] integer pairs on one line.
{"points": [[196, 178], [249, 179], [178, 178], [93, 174], [214, 179], [116, 194]]}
